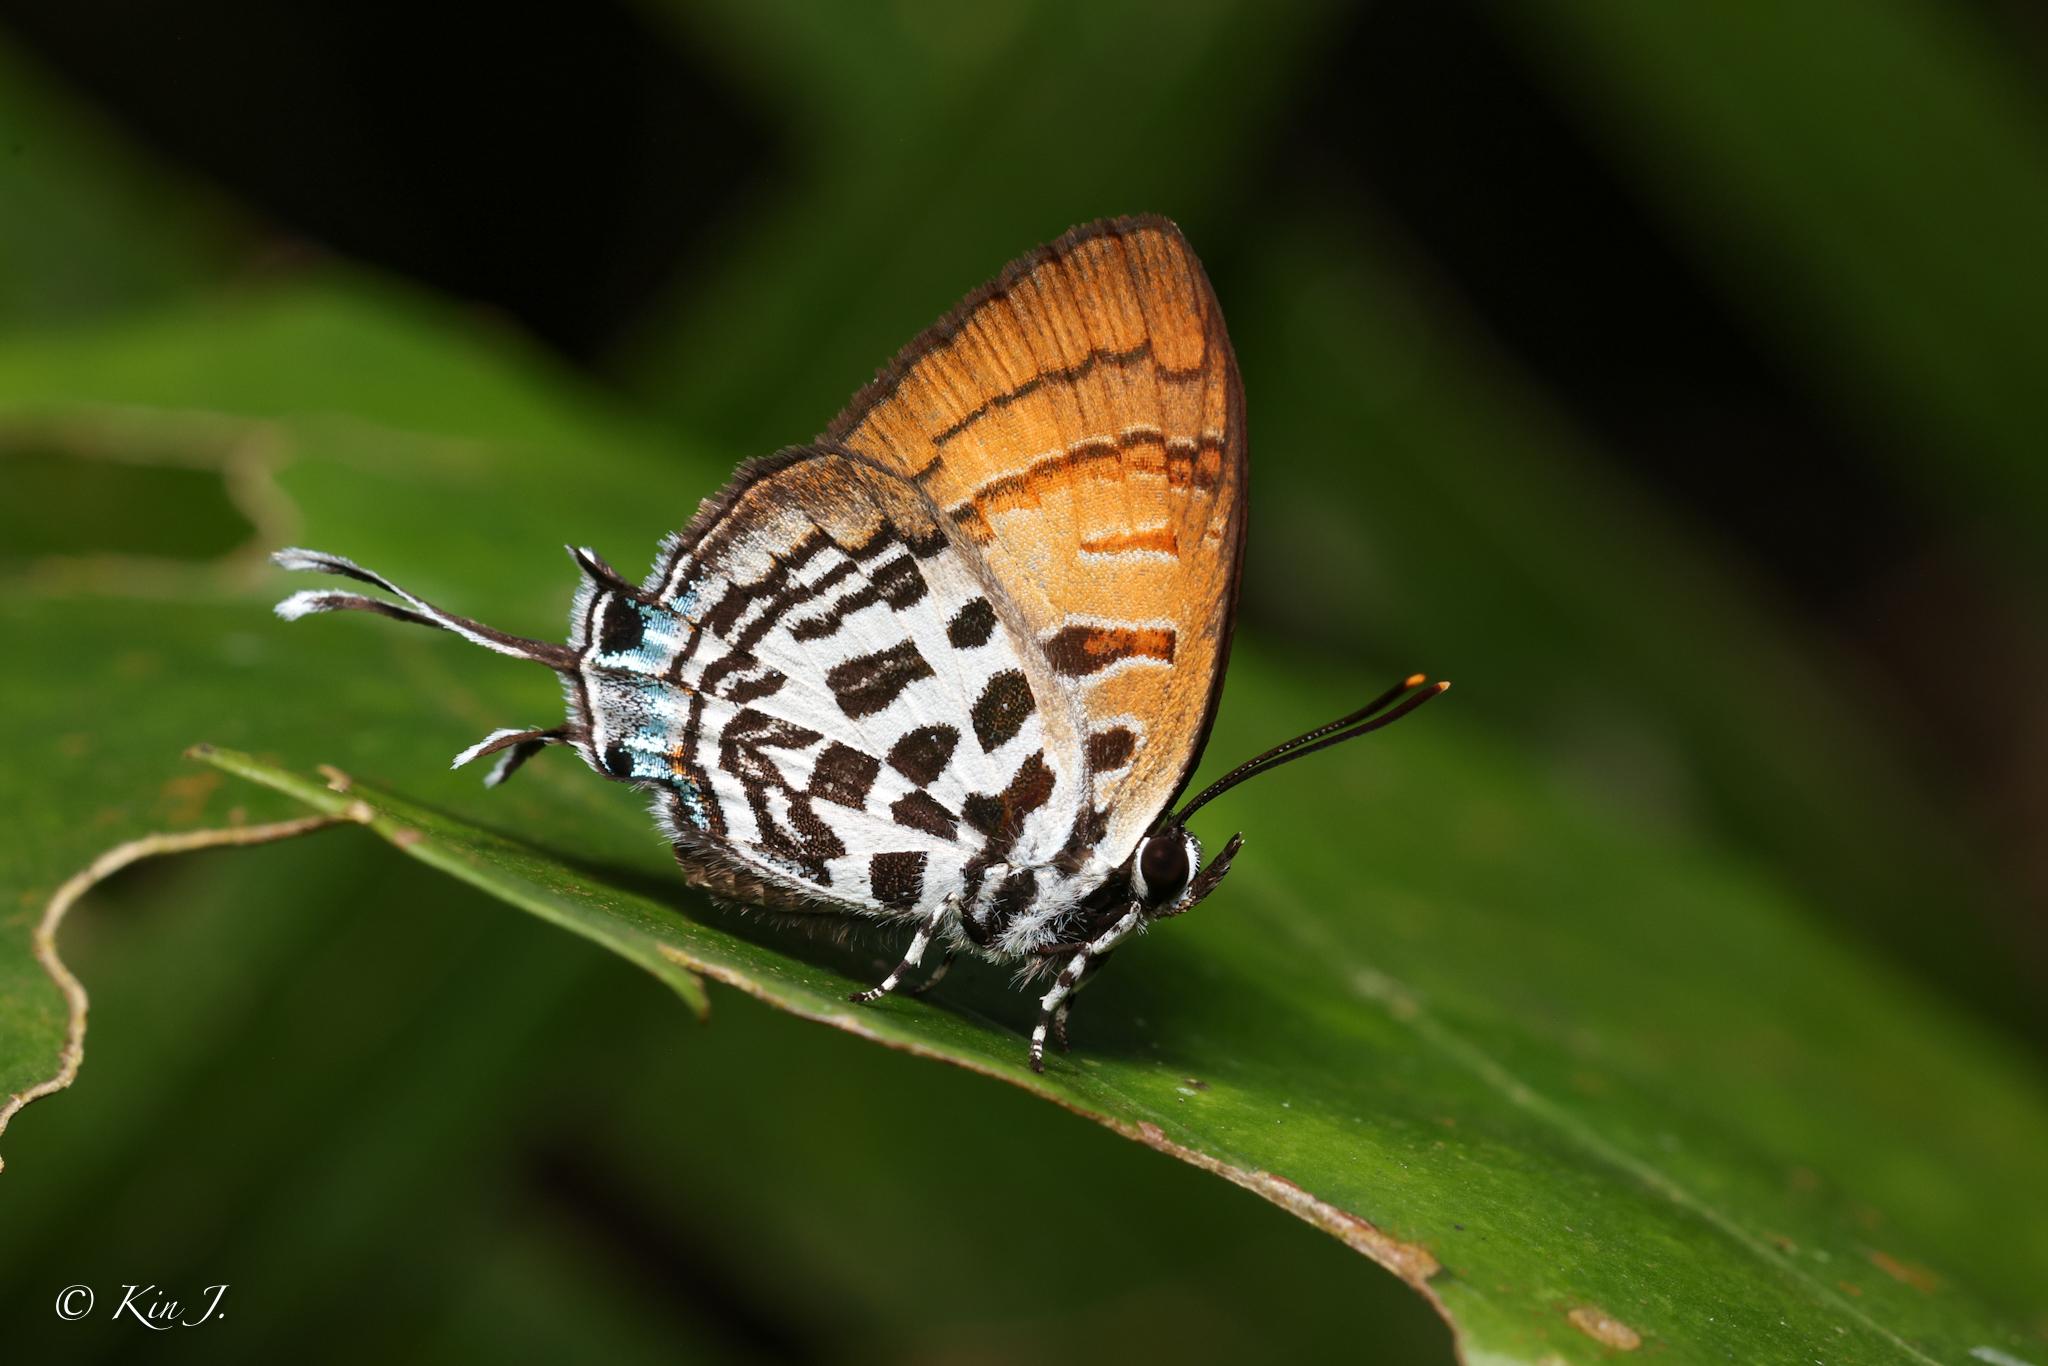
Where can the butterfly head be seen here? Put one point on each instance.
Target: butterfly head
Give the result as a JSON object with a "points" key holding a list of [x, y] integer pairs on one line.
{"points": [[1163, 867]]}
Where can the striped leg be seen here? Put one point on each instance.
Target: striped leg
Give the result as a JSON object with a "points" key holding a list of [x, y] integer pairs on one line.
{"points": [[1059, 1017], [1052, 1007], [911, 958], [938, 973]]}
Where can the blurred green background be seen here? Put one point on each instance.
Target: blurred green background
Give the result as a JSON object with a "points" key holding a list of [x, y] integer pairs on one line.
{"points": [[1668, 376]]}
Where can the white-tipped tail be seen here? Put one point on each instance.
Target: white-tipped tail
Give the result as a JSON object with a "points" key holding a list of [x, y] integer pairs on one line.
{"points": [[304, 604], [417, 609], [477, 750], [293, 557], [513, 748], [509, 761]]}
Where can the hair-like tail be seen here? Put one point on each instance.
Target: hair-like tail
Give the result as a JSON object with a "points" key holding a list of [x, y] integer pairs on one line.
{"points": [[416, 610], [514, 747]]}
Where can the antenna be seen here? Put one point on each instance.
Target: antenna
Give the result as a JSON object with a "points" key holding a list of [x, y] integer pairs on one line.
{"points": [[1368, 718]]}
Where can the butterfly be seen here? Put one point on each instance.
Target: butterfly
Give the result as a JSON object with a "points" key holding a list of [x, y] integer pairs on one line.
{"points": [[953, 663]]}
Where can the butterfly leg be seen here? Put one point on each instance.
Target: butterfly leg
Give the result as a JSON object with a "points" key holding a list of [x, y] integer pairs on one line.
{"points": [[911, 958], [1059, 1017], [938, 974], [1053, 1005]]}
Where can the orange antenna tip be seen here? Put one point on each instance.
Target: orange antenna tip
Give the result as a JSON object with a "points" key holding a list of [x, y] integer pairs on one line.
{"points": [[1414, 680]]}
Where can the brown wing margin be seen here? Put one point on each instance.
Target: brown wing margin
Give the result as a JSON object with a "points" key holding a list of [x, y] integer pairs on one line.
{"points": [[847, 428]]}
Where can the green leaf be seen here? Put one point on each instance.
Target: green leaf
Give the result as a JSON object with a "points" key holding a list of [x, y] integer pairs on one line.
{"points": [[636, 927], [1289, 1048]]}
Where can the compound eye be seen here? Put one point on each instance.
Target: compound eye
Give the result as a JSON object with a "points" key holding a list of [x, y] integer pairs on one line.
{"points": [[1163, 869]]}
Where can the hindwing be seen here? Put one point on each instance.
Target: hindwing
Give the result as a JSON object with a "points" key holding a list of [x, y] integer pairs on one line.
{"points": [[834, 705]]}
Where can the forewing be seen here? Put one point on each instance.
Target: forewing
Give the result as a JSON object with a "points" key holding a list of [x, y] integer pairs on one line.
{"points": [[817, 684], [1080, 421]]}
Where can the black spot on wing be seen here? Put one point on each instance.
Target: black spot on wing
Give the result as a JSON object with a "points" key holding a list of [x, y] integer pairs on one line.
{"points": [[920, 811], [806, 843], [844, 776], [1109, 750], [897, 880], [765, 682], [746, 739], [983, 811], [621, 628], [1001, 710], [897, 583], [972, 625], [923, 754], [869, 683], [801, 840], [999, 816]]}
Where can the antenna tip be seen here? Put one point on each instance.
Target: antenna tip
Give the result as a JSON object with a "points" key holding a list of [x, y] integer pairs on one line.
{"points": [[1414, 680], [1444, 686]]}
